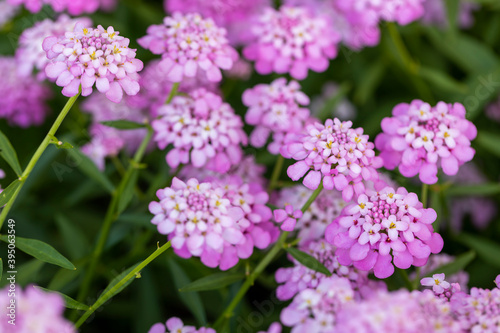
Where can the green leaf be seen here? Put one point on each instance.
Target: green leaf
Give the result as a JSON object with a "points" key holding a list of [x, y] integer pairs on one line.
{"points": [[9, 192], [123, 124], [485, 189], [486, 249], [331, 103], [442, 81], [128, 192], [190, 299], [452, 11], [308, 261], [88, 167], [28, 272], [370, 82], [115, 281], [73, 238], [489, 141], [9, 154], [69, 302], [214, 281], [42, 251], [456, 265], [1, 268]]}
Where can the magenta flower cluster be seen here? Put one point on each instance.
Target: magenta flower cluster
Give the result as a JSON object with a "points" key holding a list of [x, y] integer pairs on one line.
{"points": [[34, 311], [292, 40], [22, 99], [188, 44], [334, 153], [73, 7], [219, 222], [175, 325], [419, 139], [88, 56], [275, 109], [203, 130], [385, 227]]}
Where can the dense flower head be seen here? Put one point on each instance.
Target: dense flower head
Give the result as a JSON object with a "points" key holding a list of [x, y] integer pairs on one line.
{"points": [[218, 221], [384, 227], [203, 130], [435, 13], [275, 109], [297, 278], [315, 309], [188, 44], [292, 40], [73, 7], [175, 325], [233, 15], [108, 141], [22, 99], [323, 210], [35, 311], [335, 154], [420, 139], [30, 54], [89, 56], [400, 311]]}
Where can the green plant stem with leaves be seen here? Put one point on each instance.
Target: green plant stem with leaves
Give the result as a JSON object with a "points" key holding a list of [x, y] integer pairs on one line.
{"points": [[38, 153], [276, 173], [113, 290], [278, 246]]}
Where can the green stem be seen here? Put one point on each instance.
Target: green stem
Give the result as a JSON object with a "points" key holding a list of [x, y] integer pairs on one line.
{"points": [[103, 298], [425, 192], [111, 215], [276, 173], [173, 92], [38, 154], [406, 279], [278, 246]]}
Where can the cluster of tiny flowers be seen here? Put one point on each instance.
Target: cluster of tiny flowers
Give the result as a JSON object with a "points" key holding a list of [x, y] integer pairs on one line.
{"points": [[275, 109], [73, 7], [297, 278], [188, 44], [22, 99], [88, 56], [218, 221], [107, 141], [34, 311], [233, 15], [315, 309], [30, 54], [155, 87], [323, 210], [420, 138], [292, 40], [435, 13], [175, 325], [401, 311], [438, 260], [7, 12], [335, 154], [382, 227], [203, 130]]}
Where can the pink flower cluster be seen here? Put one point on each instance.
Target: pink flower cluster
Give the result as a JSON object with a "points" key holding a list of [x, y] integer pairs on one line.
{"points": [[34, 311], [420, 139], [384, 227], [188, 44], [107, 141], [297, 278], [218, 221], [88, 56], [73, 7], [175, 325], [292, 40], [22, 99], [233, 15], [203, 130], [30, 54], [336, 154], [275, 109]]}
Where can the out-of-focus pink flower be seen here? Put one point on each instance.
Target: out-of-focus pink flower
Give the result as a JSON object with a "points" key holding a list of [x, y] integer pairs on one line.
{"points": [[188, 44], [88, 56], [275, 109], [435, 13], [292, 40], [22, 99], [73, 7], [203, 130], [336, 154], [175, 325], [419, 139], [7, 12], [384, 227], [274, 328], [233, 15]]}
